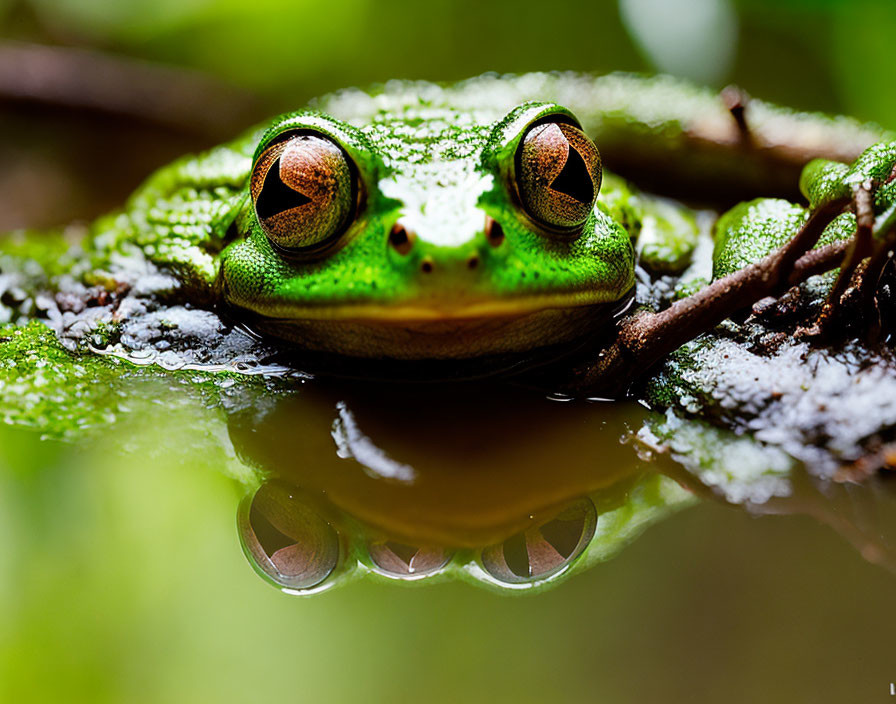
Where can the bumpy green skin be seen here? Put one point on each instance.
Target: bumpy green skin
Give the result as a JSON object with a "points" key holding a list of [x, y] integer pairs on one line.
{"points": [[666, 241], [413, 143], [442, 171], [752, 230], [440, 157], [179, 218]]}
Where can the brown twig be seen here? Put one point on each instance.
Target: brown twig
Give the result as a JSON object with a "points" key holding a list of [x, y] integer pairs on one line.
{"points": [[645, 338], [697, 147], [89, 80], [736, 100], [870, 277], [818, 261], [860, 248]]}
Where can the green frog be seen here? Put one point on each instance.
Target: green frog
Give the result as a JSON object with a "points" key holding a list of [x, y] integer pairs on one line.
{"points": [[418, 222], [470, 224]]}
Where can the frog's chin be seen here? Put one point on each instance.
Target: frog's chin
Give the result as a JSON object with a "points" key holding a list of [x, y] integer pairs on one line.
{"points": [[460, 332]]}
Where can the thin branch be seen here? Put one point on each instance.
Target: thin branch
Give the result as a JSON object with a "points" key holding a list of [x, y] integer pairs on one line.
{"points": [[724, 148], [88, 80], [818, 261], [736, 100], [867, 286], [860, 248], [645, 338]]}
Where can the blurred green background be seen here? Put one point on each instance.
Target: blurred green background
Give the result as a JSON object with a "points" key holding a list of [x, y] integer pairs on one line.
{"points": [[270, 56], [824, 54], [121, 577]]}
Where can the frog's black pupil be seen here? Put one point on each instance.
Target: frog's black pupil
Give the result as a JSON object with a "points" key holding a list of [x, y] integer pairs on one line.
{"points": [[575, 179], [269, 537], [276, 197]]}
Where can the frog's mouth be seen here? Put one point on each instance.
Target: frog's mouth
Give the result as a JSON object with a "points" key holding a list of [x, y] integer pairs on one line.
{"points": [[452, 312], [462, 331]]}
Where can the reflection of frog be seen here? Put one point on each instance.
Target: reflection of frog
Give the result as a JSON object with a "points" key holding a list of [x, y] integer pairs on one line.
{"points": [[490, 485], [483, 483], [429, 223], [422, 223]]}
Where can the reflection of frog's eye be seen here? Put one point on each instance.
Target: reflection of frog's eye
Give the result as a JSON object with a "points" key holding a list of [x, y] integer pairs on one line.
{"points": [[405, 561], [545, 549], [286, 539], [558, 174], [303, 188]]}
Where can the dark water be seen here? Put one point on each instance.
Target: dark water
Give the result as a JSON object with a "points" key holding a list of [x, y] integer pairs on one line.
{"points": [[122, 576], [492, 483]]}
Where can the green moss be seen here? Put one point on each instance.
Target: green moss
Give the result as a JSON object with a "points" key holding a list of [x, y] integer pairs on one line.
{"points": [[63, 394], [52, 252], [668, 236]]}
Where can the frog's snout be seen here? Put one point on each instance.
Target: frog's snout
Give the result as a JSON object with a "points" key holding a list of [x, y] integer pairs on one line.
{"points": [[404, 240]]}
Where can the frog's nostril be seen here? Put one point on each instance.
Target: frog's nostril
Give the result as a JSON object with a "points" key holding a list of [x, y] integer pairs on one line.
{"points": [[401, 239], [473, 261], [427, 265], [494, 233]]}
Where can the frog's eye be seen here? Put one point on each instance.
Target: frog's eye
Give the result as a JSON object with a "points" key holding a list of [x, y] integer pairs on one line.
{"points": [[558, 174], [303, 188]]}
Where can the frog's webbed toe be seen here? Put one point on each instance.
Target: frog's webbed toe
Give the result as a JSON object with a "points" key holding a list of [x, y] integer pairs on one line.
{"points": [[853, 300]]}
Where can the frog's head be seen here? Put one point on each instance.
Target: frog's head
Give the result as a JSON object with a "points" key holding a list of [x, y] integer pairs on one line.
{"points": [[427, 235]]}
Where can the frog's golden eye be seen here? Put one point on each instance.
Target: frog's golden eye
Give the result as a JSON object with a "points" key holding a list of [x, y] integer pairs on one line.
{"points": [[303, 188], [558, 174]]}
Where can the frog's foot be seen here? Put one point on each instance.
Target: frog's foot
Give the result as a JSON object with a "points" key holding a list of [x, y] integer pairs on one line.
{"points": [[854, 295]]}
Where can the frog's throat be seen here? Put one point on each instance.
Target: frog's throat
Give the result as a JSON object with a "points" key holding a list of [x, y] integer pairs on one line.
{"points": [[416, 332]]}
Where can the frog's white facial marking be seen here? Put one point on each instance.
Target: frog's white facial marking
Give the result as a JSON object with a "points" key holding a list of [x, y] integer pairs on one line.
{"points": [[440, 202], [433, 165]]}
